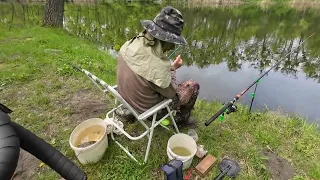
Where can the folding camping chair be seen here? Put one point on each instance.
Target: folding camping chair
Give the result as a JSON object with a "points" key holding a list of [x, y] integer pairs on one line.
{"points": [[120, 102]]}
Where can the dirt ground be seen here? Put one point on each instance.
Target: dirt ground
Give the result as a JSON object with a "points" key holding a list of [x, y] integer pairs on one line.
{"points": [[278, 167], [84, 104], [27, 167]]}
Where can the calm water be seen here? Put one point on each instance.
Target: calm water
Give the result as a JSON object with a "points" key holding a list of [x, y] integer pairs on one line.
{"points": [[228, 51]]}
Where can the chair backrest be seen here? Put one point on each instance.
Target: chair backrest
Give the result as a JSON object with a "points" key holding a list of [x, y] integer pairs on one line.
{"points": [[116, 94]]}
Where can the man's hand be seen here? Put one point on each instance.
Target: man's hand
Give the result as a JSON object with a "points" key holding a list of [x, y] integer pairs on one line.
{"points": [[177, 63]]}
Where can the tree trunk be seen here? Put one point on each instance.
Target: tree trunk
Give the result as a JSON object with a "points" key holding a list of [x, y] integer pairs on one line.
{"points": [[53, 14]]}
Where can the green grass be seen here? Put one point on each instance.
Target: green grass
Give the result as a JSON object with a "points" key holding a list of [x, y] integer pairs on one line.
{"points": [[37, 83]]}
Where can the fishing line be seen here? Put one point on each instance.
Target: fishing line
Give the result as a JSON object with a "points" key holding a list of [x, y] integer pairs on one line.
{"points": [[186, 40]]}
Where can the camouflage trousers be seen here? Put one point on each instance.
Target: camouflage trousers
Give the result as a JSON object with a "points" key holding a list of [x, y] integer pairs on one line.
{"points": [[183, 102]]}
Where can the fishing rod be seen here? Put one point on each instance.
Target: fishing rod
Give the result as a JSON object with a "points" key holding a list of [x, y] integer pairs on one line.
{"points": [[230, 107]]}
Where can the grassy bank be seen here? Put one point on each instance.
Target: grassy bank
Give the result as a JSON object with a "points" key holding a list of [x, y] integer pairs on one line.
{"points": [[50, 99]]}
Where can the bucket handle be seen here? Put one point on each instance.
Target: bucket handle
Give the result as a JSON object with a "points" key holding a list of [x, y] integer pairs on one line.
{"points": [[77, 154]]}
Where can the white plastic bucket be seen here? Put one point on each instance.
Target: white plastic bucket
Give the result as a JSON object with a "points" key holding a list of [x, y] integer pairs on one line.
{"points": [[94, 152], [185, 141]]}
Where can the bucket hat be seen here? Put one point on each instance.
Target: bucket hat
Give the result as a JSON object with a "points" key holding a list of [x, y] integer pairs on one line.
{"points": [[166, 26]]}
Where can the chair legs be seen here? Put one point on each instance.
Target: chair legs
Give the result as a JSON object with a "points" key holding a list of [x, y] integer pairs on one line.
{"points": [[149, 134], [153, 125], [172, 119], [150, 137], [123, 148]]}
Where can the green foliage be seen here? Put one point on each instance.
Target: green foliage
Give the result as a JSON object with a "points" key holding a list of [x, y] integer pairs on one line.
{"points": [[65, 70], [298, 178], [304, 24], [220, 31]]}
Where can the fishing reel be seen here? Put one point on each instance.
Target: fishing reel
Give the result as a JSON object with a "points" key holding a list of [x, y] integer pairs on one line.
{"points": [[231, 109]]}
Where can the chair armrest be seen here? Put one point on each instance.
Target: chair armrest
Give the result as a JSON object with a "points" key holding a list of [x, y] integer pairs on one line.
{"points": [[154, 109]]}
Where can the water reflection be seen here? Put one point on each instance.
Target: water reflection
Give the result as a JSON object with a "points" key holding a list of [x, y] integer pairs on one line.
{"points": [[231, 35], [294, 96]]}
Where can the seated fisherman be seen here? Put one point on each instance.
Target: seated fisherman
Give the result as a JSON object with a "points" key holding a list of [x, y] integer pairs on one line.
{"points": [[145, 75]]}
